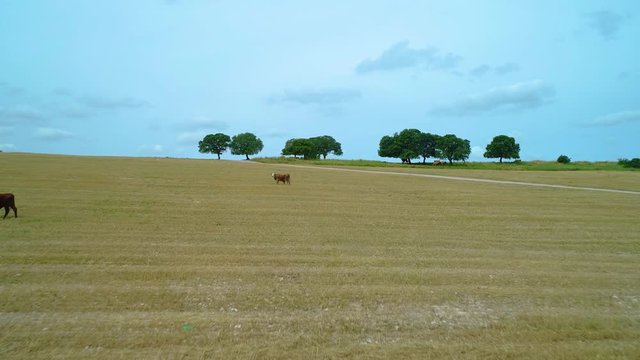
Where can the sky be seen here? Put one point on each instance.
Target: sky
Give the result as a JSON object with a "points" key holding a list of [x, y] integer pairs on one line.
{"points": [[153, 77]]}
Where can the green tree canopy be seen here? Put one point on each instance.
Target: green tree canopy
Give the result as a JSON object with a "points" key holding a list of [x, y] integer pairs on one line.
{"points": [[409, 140], [312, 148], [214, 144], [389, 147], [563, 159], [453, 148], [301, 147], [633, 163], [503, 146], [325, 145], [245, 144], [428, 145], [408, 144]]}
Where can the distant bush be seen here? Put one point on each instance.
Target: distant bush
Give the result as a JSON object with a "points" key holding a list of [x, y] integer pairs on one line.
{"points": [[633, 163], [563, 159]]}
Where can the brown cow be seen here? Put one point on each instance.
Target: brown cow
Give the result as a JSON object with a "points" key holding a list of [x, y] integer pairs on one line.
{"points": [[8, 201], [285, 178]]}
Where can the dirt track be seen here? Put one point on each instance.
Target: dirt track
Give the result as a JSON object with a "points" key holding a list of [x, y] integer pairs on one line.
{"points": [[457, 178]]}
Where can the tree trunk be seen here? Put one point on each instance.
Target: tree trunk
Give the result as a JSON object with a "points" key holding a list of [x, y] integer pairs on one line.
{"points": [[247, 155], [500, 160], [218, 156]]}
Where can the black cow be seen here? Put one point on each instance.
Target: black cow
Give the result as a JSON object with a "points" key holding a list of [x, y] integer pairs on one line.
{"points": [[8, 201]]}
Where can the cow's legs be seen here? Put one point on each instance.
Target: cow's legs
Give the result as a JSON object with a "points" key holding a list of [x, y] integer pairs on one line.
{"points": [[15, 210], [6, 211]]}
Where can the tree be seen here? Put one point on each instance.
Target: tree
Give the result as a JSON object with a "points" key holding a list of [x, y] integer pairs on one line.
{"points": [[325, 145], [409, 140], [503, 146], [245, 144], [301, 147], [404, 145], [633, 163], [389, 147], [453, 148], [428, 144], [563, 159], [214, 144]]}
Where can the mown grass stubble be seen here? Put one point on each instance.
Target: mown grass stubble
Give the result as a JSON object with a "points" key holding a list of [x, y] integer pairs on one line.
{"points": [[185, 258]]}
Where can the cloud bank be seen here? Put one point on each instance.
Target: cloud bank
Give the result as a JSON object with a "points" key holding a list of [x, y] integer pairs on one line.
{"points": [[485, 69], [605, 22], [328, 102], [516, 97], [316, 97], [401, 56], [201, 123], [51, 134], [20, 115], [105, 103], [619, 118]]}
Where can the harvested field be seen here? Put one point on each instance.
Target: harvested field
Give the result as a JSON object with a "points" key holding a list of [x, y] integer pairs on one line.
{"points": [[172, 258]]}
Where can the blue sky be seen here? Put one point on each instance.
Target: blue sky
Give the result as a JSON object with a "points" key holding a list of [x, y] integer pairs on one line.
{"points": [[152, 77]]}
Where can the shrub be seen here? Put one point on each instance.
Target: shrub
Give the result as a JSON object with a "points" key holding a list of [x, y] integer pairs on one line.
{"points": [[633, 163], [563, 159]]}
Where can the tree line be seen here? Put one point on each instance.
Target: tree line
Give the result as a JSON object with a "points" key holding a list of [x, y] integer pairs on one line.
{"points": [[411, 144], [407, 145], [312, 148], [242, 144], [249, 144]]}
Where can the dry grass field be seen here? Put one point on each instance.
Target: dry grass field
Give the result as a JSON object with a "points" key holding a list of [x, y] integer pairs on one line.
{"points": [[142, 258]]}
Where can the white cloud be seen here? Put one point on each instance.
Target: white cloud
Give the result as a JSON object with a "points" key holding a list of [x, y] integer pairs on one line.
{"points": [[5, 147], [618, 118], [51, 134], [516, 97], [151, 149], [401, 56]]}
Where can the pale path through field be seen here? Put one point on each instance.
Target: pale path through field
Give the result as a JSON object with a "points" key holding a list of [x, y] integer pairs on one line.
{"points": [[457, 178]]}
